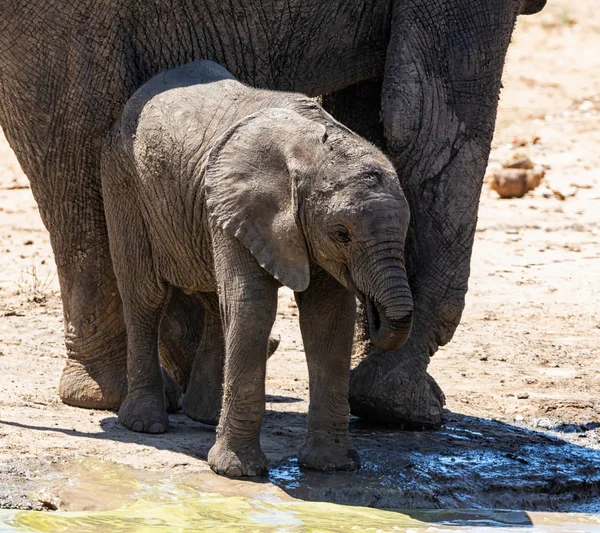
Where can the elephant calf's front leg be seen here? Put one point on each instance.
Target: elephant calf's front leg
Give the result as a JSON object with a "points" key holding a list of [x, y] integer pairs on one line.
{"points": [[248, 300], [327, 315]]}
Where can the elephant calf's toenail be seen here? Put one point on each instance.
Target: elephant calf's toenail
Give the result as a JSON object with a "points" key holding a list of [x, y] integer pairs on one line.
{"points": [[138, 426]]}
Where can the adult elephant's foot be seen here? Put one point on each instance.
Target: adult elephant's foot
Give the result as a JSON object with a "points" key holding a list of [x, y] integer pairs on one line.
{"points": [[384, 392], [105, 386], [327, 458], [144, 413], [246, 460], [94, 385]]}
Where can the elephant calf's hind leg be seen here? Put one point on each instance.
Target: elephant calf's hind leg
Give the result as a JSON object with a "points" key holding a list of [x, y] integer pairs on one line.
{"points": [[144, 409], [202, 401]]}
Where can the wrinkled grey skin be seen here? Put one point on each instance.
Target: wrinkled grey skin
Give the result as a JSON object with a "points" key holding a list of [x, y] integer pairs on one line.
{"points": [[218, 188], [420, 78]]}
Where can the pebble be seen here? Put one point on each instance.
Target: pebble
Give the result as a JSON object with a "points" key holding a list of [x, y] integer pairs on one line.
{"points": [[523, 395]]}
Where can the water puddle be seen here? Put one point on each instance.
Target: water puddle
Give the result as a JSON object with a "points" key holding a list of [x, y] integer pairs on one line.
{"points": [[98, 497], [236, 514]]}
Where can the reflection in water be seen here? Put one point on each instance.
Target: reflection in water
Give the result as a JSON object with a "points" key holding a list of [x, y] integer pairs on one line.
{"points": [[103, 497]]}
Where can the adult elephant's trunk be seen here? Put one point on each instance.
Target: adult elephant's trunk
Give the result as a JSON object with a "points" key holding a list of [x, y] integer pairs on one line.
{"points": [[439, 100], [381, 280]]}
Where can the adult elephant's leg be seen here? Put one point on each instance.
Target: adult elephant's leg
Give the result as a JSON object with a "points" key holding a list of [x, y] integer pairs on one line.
{"points": [[439, 101], [359, 108], [416, 399], [95, 373], [70, 203]]}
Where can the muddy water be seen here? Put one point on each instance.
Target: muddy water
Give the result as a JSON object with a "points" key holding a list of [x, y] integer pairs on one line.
{"points": [[98, 497], [219, 514]]}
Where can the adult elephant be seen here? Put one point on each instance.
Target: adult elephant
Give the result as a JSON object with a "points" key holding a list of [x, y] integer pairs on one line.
{"points": [[419, 77]]}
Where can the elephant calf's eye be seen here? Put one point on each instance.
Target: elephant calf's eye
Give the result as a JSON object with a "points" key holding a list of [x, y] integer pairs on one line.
{"points": [[342, 235]]}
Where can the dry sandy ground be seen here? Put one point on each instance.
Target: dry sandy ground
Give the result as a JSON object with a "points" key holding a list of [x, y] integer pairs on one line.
{"points": [[528, 348]]}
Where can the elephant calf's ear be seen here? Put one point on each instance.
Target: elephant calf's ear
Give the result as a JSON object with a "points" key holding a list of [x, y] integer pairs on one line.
{"points": [[250, 194]]}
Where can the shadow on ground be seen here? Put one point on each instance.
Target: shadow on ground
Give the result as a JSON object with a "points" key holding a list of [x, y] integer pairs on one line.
{"points": [[469, 463]]}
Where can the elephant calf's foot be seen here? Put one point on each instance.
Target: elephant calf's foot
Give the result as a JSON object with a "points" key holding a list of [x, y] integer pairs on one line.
{"points": [[203, 405], [329, 457], [94, 385], [245, 461], [144, 413], [398, 395]]}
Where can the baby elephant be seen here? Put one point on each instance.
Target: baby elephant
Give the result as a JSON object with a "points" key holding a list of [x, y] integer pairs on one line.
{"points": [[222, 189]]}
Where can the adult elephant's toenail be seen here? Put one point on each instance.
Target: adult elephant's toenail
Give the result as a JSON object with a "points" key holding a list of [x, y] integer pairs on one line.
{"points": [[234, 472], [157, 427]]}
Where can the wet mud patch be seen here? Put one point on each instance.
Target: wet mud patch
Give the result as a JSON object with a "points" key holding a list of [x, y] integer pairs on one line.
{"points": [[18, 484], [469, 463]]}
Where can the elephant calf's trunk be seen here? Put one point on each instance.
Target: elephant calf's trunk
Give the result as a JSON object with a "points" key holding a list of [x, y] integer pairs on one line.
{"points": [[385, 332]]}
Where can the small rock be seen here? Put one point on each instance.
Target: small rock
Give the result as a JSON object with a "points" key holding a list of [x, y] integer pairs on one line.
{"points": [[523, 395], [519, 418], [28, 243], [515, 182], [483, 358], [517, 176]]}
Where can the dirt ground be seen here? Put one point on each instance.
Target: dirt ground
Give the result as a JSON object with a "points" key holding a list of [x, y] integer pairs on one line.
{"points": [[527, 352]]}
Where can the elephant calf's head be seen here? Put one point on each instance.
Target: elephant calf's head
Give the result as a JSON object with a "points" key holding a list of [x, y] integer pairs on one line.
{"points": [[295, 190]]}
